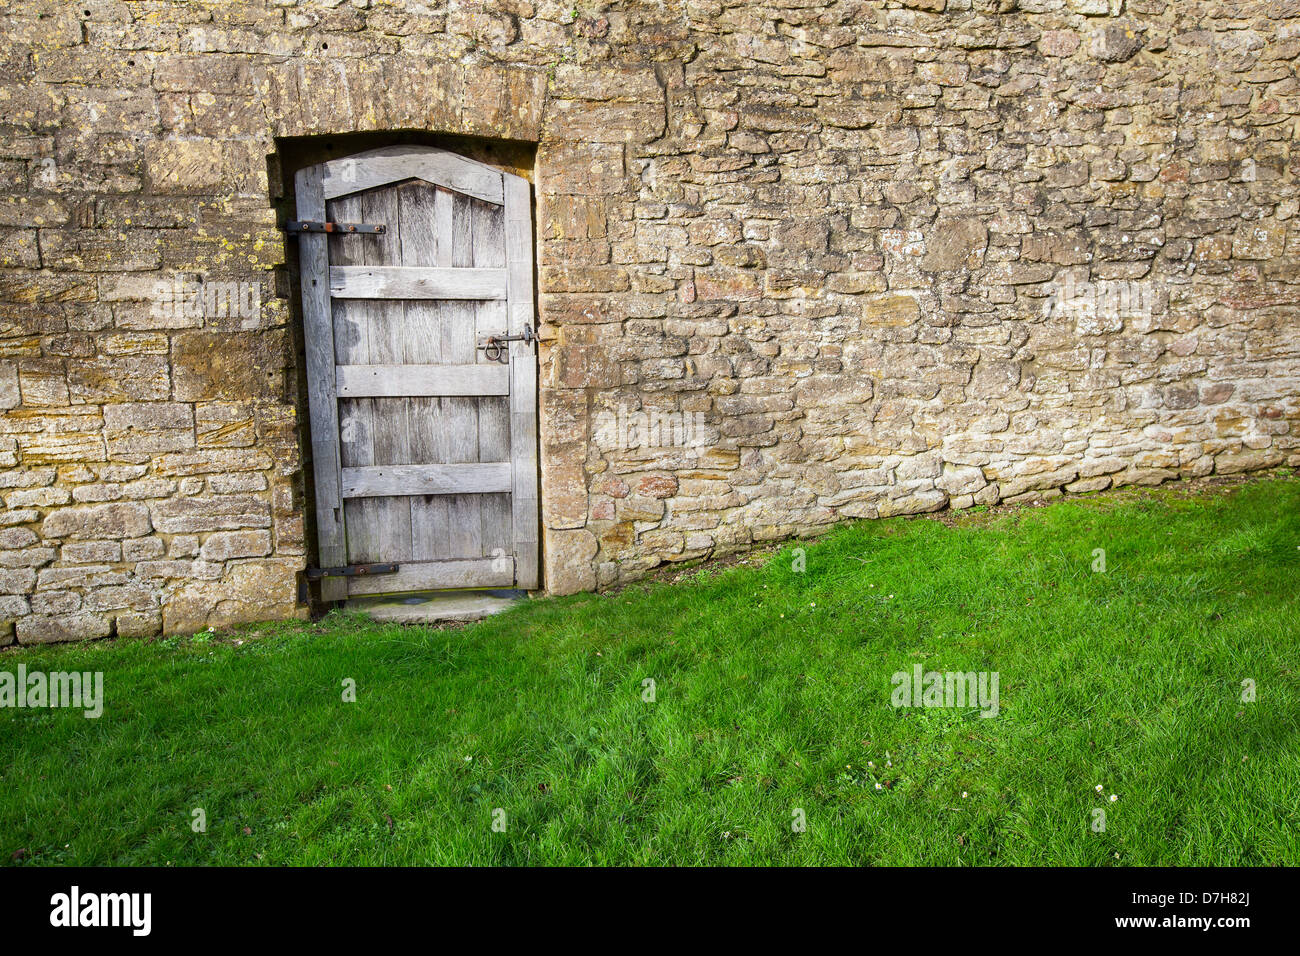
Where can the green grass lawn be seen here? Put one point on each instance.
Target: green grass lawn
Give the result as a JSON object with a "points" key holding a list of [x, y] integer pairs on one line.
{"points": [[772, 694]]}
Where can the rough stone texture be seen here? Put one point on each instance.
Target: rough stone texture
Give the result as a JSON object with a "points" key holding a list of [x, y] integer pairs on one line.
{"points": [[797, 262]]}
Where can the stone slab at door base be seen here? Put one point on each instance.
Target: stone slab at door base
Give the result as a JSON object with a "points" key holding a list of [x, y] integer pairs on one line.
{"points": [[436, 608]]}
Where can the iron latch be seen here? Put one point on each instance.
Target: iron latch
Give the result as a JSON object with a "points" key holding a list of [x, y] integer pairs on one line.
{"points": [[350, 571], [494, 346], [313, 225]]}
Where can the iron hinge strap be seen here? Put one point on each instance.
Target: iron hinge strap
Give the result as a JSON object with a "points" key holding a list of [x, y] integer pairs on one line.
{"points": [[350, 571], [312, 225]]}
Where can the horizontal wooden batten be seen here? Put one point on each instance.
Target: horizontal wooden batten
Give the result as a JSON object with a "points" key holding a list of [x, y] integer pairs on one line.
{"points": [[469, 478], [416, 282], [498, 572], [397, 381]]}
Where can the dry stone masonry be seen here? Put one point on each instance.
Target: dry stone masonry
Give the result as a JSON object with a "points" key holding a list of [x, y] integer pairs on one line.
{"points": [[798, 261]]}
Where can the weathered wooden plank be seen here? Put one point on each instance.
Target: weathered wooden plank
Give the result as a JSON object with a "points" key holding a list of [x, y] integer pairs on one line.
{"points": [[318, 332], [488, 234], [352, 328], [391, 433], [523, 382], [358, 381], [416, 282], [435, 575], [426, 212], [460, 479], [393, 164], [460, 415]]}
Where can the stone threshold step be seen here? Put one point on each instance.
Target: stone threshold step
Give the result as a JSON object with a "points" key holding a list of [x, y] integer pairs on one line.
{"points": [[434, 607]]}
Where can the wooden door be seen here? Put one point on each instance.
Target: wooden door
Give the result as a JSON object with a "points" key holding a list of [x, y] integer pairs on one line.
{"points": [[424, 447]]}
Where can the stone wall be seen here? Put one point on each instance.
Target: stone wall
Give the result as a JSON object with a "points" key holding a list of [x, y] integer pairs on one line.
{"points": [[798, 260]]}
